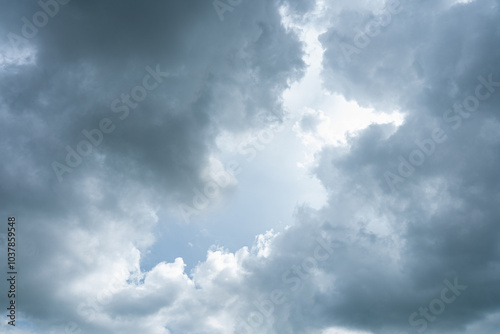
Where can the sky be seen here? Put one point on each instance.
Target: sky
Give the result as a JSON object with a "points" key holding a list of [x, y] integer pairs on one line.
{"points": [[264, 166]]}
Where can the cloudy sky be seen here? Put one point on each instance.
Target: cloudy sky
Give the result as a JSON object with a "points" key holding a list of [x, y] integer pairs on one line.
{"points": [[264, 166]]}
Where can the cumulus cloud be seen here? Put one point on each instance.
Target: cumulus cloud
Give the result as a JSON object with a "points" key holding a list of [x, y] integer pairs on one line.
{"points": [[406, 241]]}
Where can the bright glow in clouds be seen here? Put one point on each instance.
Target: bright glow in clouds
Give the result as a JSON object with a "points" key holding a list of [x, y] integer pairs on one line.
{"points": [[12, 56], [321, 118], [463, 1], [338, 330]]}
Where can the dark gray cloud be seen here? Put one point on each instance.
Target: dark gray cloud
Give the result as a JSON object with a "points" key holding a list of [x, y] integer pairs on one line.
{"points": [[444, 216], [369, 259], [220, 75]]}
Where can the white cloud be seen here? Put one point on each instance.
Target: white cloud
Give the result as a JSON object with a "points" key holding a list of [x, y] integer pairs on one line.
{"points": [[383, 255]]}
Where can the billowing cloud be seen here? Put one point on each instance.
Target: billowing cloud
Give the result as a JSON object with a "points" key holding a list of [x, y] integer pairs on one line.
{"points": [[116, 114]]}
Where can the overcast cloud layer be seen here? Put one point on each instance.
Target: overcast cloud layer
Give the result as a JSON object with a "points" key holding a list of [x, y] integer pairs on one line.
{"points": [[216, 119]]}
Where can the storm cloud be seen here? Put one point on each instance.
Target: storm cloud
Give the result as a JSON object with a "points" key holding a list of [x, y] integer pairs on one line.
{"points": [[175, 166]]}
